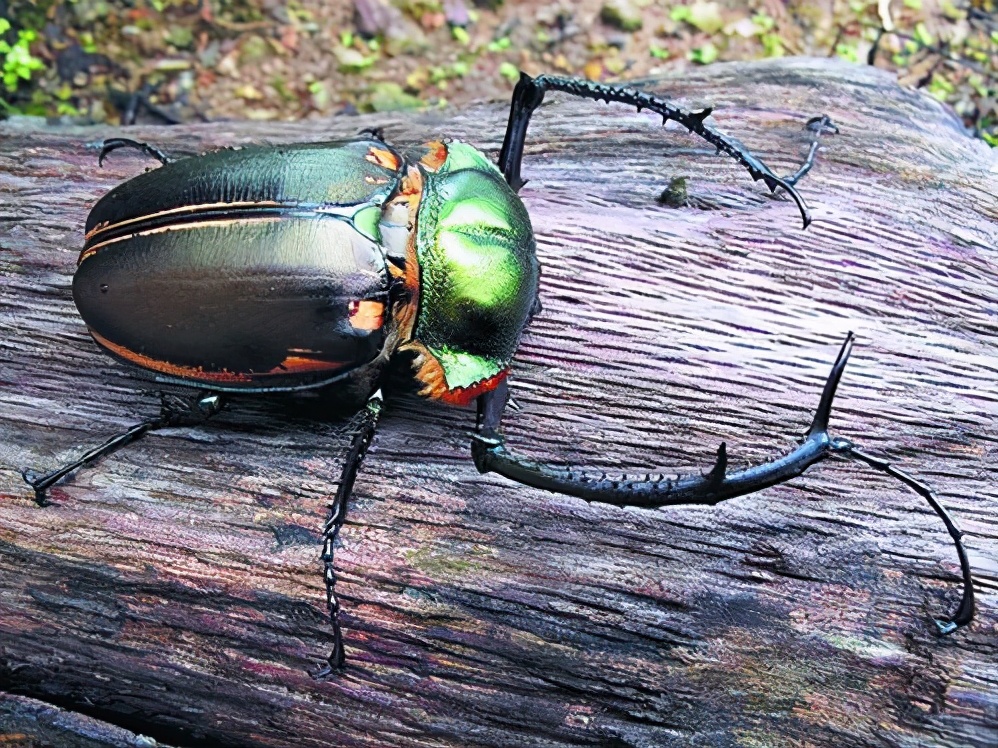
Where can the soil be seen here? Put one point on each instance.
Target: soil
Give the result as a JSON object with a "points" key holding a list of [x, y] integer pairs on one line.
{"points": [[182, 60]]}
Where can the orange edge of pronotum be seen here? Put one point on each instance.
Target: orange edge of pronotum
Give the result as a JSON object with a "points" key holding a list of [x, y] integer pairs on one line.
{"points": [[464, 396], [436, 155], [431, 374]]}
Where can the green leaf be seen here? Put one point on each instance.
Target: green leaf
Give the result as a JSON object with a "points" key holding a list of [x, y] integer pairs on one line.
{"points": [[923, 36], [940, 88], [389, 97], [704, 55], [18, 63], [658, 53], [510, 72], [763, 21], [847, 51], [680, 13], [772, 45]]}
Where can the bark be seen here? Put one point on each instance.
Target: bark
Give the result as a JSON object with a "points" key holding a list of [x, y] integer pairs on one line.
{"points": [[28, 723], [175, 589]]}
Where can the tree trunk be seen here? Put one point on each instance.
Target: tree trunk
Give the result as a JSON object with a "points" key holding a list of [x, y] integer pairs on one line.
{"points": [[175, 589]]}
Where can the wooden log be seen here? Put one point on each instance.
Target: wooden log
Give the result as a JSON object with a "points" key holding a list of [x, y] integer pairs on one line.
{"points": [[28, 723], [175, 589]]}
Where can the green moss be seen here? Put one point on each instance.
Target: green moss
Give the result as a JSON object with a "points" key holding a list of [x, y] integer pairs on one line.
{"points": [[621, 15], [389, 97], [18, 62]]}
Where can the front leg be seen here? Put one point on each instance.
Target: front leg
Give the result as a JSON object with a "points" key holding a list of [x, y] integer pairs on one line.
{"points": [[717, 485], [529, 93]]}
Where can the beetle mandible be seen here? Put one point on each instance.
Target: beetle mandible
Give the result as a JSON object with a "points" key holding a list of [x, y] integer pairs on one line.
{"points": [[290, 268]]}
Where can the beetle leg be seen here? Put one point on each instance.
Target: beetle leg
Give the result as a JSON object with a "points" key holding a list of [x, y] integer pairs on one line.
{"points": [[819, 126], [113, 144], [174, 410], [337, 516], [490, 453], [529, 93]]}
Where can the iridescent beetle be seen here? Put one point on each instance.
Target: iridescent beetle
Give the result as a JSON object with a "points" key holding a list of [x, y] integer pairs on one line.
{"points": [[290, 268]]}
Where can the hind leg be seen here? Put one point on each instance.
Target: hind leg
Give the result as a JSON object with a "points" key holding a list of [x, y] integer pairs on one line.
{"points": [[174, 410]]}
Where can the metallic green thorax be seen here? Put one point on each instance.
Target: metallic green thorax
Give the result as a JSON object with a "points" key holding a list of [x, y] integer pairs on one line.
{"points": [[478, 268]]}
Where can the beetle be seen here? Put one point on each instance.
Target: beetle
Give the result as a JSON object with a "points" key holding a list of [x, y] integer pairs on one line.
{"points": [[310, 266]]}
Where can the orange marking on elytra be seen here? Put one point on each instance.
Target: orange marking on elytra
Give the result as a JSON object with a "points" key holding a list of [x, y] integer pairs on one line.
{"points": [[165, 367], [107, 225], [290, 365], [301, 365], [366, 314], [383, 158]]}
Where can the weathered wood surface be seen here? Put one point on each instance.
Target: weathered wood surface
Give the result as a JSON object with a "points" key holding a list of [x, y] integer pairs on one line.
{"points": [[175, 589], [29, 723]]}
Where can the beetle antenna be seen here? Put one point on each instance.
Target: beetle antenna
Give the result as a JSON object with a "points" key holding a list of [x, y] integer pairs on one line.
{"points": [[529, 93]]}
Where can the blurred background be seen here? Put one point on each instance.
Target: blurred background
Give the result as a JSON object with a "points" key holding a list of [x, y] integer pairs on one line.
{"points": [[172, 61]]}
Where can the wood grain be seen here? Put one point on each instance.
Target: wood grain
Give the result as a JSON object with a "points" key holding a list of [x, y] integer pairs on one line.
{"points": [[175, 590]]}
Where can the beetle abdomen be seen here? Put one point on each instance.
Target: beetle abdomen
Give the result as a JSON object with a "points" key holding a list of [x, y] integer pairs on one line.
{"points": [[246, 302]]}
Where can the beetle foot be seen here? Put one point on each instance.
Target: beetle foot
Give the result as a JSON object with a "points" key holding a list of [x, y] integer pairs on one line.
{"points": [[113, 144], [484, 445], [176, 410], [820, 125], [945, 627], [38, 484]]}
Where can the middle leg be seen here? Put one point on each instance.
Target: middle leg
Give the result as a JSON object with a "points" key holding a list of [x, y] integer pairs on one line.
{"points": [[334, 522]]}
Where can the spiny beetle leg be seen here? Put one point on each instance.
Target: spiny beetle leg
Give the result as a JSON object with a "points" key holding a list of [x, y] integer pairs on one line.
{"points": [[529, 93], [174, 410], [718, 484], [113, 144], [337, 516]]}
